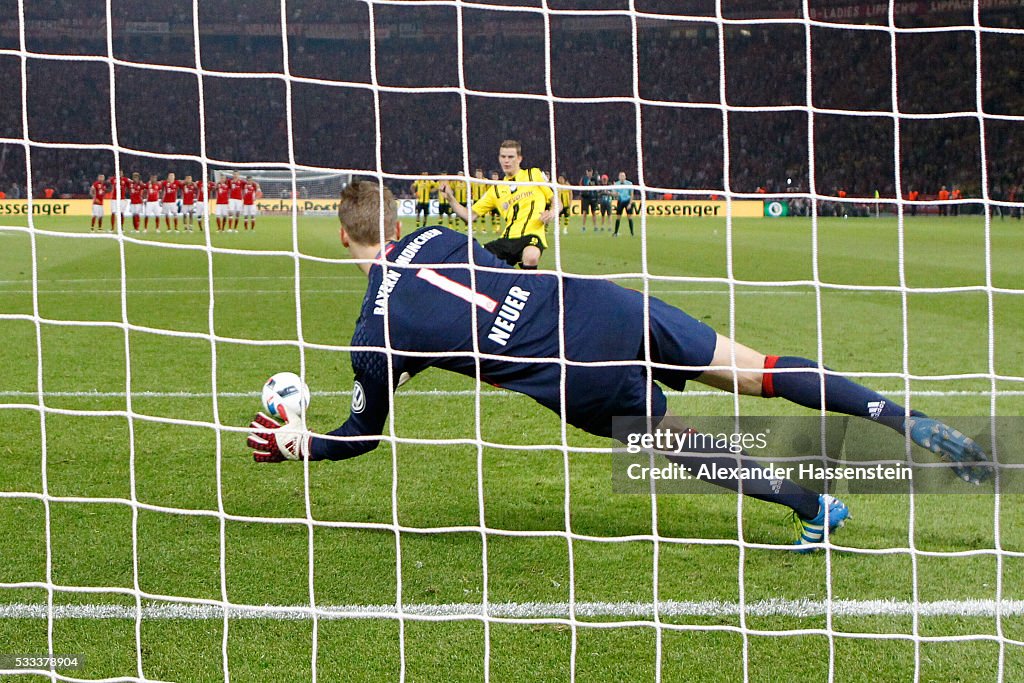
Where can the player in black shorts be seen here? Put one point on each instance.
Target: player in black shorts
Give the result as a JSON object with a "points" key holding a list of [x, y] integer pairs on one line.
{"points": [[423, 188], [526, 202], [604, 202], [494, 214], [588, 199], [624, 203], [510, 249], [565, 201], [444, 209]]}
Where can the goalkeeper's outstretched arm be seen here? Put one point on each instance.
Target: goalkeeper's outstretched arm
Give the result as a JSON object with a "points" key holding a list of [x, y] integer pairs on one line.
{"points": [[371, 400], [272, 441], [463, 212]]}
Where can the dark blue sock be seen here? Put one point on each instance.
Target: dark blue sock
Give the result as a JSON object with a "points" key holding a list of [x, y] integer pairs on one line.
{"points": [[841, 394], [781, 491]]}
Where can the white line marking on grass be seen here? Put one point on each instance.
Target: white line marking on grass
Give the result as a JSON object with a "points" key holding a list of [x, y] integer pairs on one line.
{"points": [[133, 291], [309, 290], [183, 278], [780, 607], [437, 393]]}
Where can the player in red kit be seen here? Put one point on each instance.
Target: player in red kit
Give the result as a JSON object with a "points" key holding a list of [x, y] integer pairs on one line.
{"points": [[188, 202], [135, 206], [203, 192], [119, 205], [98, 191], [211, 193], [169, 193], [223, 193], [199, 208], [237, 184], [249, 192], [152, 197]]}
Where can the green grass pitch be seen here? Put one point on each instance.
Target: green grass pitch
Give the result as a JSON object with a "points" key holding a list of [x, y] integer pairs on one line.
{"points": [[189, 353]]}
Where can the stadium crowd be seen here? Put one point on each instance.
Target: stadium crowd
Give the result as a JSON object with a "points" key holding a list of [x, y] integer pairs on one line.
{"points": [[685, 141]]}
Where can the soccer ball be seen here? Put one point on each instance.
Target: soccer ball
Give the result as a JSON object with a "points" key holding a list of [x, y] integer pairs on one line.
{"points": [[287, 390]]}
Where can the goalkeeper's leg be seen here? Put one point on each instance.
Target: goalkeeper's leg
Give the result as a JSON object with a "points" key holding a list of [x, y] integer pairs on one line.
{"points": [[812, 512], [805, 383]]}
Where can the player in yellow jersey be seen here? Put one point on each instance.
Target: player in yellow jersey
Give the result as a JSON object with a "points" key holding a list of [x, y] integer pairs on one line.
{"points": [[565, 201], [460, 189], [444, 209], [524, 208], [423, 188], [478, 188], [494, 214]]}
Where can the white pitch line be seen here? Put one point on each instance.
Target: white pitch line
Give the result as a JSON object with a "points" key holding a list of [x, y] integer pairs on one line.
{"points": [[133, 291], [217, 291], [488, 393], [777, 607], [237, 394]]}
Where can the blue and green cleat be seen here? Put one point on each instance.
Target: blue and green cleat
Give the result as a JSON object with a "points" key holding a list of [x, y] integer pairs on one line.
{"points": [[952, 445], [812, 531]]}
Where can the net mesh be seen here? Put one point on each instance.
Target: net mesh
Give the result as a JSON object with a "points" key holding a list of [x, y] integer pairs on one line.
{"points": [[300, 184], [824, 109]]}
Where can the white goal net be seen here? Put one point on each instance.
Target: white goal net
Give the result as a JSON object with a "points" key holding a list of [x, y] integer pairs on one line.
{"points": [[294, 184], [838, 180]]}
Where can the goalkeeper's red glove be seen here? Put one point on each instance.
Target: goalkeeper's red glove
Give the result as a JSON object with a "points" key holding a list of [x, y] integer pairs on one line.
{"points": [[272, 441]]}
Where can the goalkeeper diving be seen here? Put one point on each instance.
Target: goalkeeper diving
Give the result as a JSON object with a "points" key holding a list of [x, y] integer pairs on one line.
{"points": [[443, 301]]}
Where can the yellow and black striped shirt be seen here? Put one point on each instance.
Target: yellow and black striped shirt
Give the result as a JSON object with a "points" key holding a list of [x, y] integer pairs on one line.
{"points": [[479, 188], [520, 205], [424, 188], [564, 198], [459, 188]]}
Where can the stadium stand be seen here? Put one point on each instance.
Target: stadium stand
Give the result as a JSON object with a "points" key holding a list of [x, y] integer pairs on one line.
{"points": [[245, 119]]}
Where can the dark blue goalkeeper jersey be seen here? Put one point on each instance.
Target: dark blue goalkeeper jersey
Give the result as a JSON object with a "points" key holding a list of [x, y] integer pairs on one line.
{"points": [[418, 313]]}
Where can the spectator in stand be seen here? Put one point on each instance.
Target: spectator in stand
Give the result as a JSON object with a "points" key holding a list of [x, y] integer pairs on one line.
{"points": [[1012, 196], [841, 208], [943, 197], [682, 148]]}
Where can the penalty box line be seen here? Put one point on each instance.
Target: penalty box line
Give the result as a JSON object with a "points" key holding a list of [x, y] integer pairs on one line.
{"points": [[776, 607], [485, 393]]}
